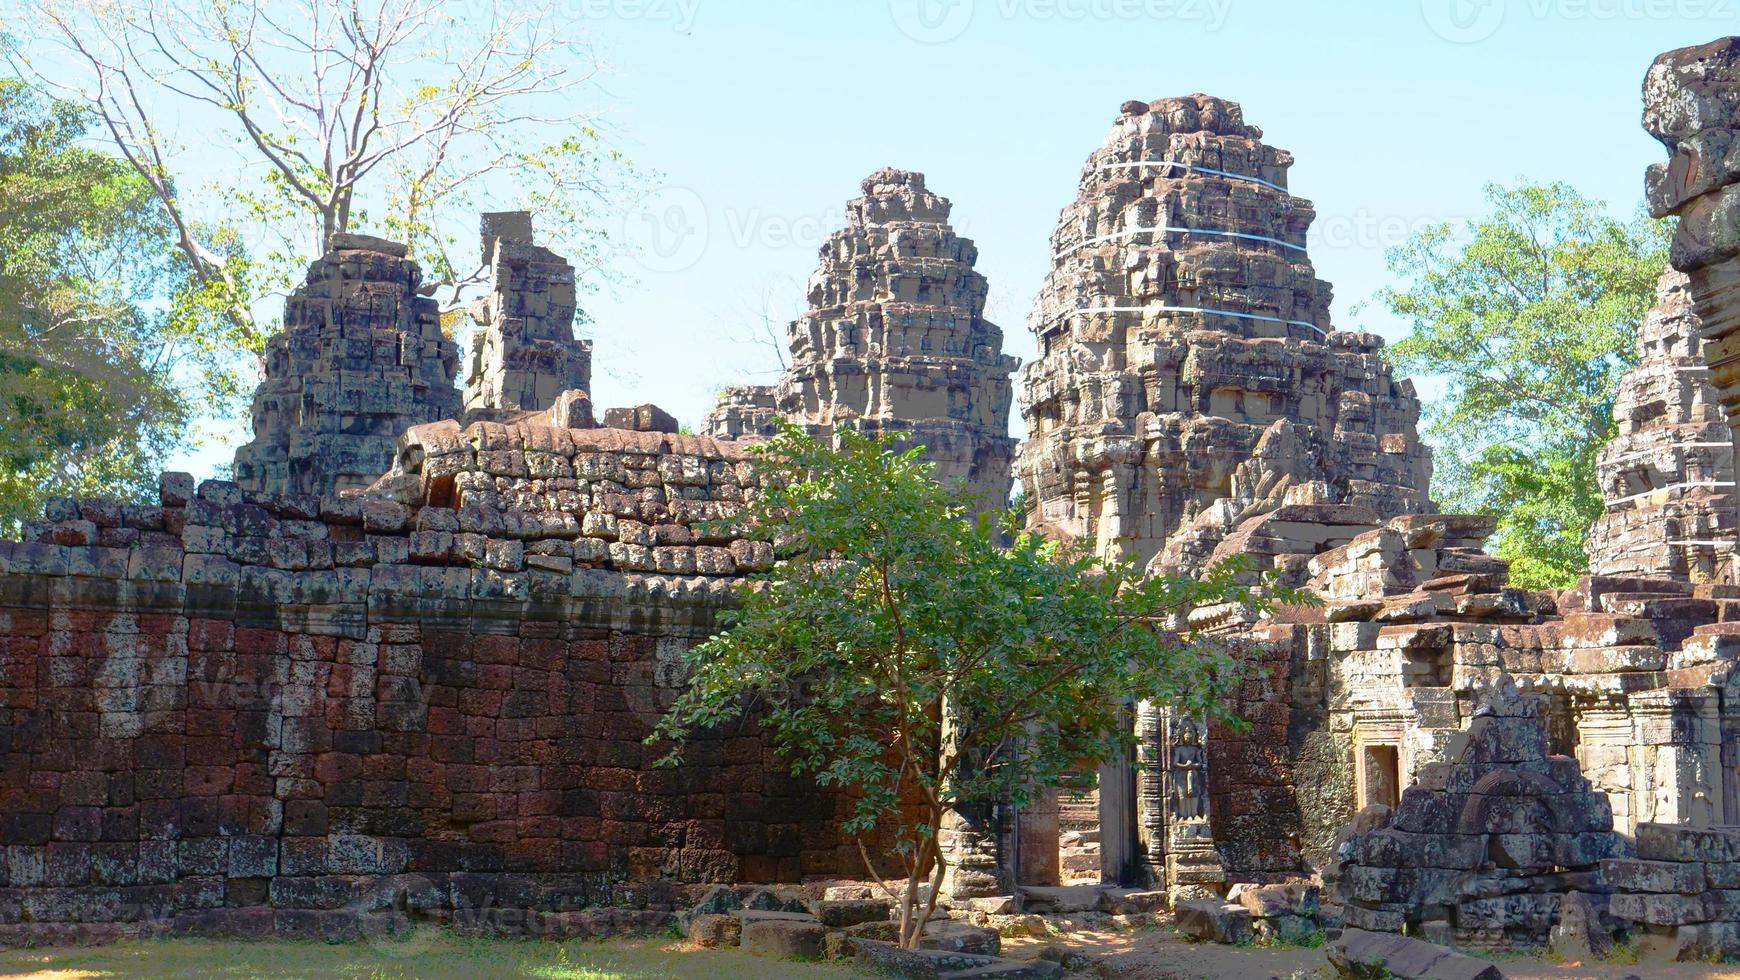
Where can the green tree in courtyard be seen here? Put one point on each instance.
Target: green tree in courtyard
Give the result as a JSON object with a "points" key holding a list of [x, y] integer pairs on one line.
{"points": [[1529, 318], [100, 366], [921, 660]]}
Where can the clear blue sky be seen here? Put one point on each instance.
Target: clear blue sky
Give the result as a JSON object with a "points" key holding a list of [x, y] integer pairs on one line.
{"points": [[758, 118]]}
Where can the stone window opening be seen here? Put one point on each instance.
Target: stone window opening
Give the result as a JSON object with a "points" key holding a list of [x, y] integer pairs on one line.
{"points": [[1427, 666]]}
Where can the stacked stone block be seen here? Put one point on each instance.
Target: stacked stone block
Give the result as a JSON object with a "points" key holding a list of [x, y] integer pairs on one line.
{"points": [[895, 340], [525, 353], [281, 714], [1180, 328], [1682, 890], [1691, 104], [360, 358], [1668, 474], [1486, 844]]}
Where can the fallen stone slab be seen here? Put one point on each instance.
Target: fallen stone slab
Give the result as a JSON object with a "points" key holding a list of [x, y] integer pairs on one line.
{"points": [[961, 937], [1131, 901], [1206, 920], [713, 930], [1300, 898], [840, 913], [935, 964], [1068, 898], [1362, 955], [783, 935]]}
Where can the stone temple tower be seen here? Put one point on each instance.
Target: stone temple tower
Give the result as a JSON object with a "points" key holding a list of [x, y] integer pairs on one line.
{"points": [[526, 353], [360, 359], [895, 340], [1668, 474], [1188, 375]]}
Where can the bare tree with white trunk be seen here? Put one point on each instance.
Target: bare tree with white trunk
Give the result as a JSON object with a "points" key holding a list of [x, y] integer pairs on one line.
{"points": [[394, 117]]}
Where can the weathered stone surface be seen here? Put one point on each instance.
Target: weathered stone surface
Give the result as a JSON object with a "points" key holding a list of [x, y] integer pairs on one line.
{"points": [[895, 340], [525, 353], [360, 358], [1580, 934], [1188, 377], [838, 914], [1358, 954], [714, 931], [929, 964], [782, 935], [1207, 920], [1668, 472], [1518, 829]]}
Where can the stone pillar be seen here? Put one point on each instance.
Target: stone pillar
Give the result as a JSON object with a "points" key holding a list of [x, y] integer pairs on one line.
{"points": [[1691, 99], [972, 837], [1604, 750], [1150, 789], [1193, 868], [1119, 856], [360, 359], [525, 353], [1676, 756]]}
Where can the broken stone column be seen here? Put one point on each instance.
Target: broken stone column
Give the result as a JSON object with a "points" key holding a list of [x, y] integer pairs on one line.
{"points": [[895, 340], [1180, 324], [1667, 475], [1691, 103], [360, 359], [525, 353]]}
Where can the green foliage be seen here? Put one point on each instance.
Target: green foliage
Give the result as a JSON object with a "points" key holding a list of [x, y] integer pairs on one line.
{"points": [[1529, 317], [97, 373], [923, 660]]}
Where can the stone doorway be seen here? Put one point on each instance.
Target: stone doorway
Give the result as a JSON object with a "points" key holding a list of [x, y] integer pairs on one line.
{"points": [[1380, 775], [1078, 826]]}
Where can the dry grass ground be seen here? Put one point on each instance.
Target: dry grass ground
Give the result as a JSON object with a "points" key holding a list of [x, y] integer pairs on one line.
{"points": [[1147, 954], [429, 954]]}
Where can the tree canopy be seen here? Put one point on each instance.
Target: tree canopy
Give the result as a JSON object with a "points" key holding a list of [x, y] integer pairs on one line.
{"points": [[100, 369], [388, 117], [924, 660], [1529, 317]]}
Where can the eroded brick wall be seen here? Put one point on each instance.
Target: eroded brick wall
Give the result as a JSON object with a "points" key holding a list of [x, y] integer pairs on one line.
{"points": [[263, 704], [1253, 794]]}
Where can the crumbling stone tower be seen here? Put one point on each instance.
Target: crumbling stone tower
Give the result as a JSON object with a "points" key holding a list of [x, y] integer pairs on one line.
{"points": [[1666, 474], [1691, 103], [1180, 329], [895, 340], [526, 353], [361, 358]]}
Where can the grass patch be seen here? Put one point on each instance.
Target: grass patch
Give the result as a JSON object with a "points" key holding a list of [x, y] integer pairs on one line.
{"points": [[428, 954], [1624, 953], [1304, 940]]}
